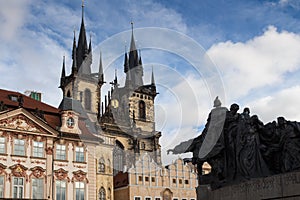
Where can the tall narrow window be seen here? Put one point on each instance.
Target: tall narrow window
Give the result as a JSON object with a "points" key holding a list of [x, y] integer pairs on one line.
{"points": [[79, 154], [68, 93], [118, 156], [1, 186], [19, 147], [79, 188], [2, 144], [18, 187], [37, 188], [60, 152], [87, 99], [38, 149], [61, 190], [102, 194], [142, 110], [101, 165]]}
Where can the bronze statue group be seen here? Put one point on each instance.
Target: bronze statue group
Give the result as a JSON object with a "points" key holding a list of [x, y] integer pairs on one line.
{"points": [[239, 146]]}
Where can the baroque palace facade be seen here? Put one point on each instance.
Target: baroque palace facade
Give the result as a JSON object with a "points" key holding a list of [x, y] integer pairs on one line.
{"points": [[89, 148]]}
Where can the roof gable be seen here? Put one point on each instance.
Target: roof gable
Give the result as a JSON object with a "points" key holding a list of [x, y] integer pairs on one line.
{"points": [[22, 120]]}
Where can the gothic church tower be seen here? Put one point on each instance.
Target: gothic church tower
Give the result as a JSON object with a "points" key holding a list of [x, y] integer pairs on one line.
{"points": [[82, 84]]}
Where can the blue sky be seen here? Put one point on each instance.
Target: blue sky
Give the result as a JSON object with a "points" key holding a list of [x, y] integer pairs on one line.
{"points": [[245, 51]]}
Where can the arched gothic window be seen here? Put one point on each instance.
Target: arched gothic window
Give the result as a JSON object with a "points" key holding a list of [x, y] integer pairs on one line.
{"points": [[101, 167], [87, 99], [118, 156], [102, 195], [68, 93], [142, 110]]}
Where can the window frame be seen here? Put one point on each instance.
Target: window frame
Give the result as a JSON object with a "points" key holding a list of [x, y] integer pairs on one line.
{"points": [[19, 147], [80, 189], [18, 186], [66, 189], [58, 152], [38, 150], [2, 186], [79, 154], [102, 191], [38, 188], [4, 145]]}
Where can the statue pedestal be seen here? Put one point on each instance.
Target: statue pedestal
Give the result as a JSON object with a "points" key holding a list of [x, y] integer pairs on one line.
{"points": [[281, 186]]}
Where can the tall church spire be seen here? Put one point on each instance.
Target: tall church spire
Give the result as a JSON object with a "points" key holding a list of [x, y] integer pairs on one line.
{"points": [[82, 47], [134, 67]]}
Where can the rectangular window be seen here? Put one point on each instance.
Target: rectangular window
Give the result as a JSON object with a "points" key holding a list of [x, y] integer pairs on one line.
{"points": [[175, 198], [152, 179], [1, 186], [140, 178], [147, 178], [18, 187], [60, 152], [137, 198], [180, 181], [2, 144], [38, 149], [186, 181], [174, 180], [157, 198], [79, 152], [37, 188], [147, 198], [61, 190], [19, 147], [79, 187]]}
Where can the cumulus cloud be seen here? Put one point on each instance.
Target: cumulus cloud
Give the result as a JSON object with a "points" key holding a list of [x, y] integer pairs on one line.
{"points": [[260, 62]]}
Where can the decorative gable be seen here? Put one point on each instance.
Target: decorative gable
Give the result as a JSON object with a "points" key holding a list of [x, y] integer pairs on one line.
{"points": [[22, 123], [22, 120]]}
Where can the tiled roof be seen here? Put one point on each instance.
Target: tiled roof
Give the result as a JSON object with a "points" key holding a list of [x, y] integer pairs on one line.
{"points": [[28, 103], [51, 114]]}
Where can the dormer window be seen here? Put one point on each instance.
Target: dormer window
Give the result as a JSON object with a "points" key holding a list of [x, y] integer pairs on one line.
{"points": [[13, 98]]}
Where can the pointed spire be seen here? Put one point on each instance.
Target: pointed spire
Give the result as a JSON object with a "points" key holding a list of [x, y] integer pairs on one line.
{"points": [[100, 73], [63, 74], [152, 77], [132, 44], [74, 64], [126, 67], [82, 48]]}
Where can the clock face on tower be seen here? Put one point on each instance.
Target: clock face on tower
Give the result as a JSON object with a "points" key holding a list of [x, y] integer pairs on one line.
{"points": [[70, 122]]}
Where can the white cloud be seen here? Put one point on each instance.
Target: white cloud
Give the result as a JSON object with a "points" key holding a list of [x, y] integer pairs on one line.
{"points": [[259, 62]]}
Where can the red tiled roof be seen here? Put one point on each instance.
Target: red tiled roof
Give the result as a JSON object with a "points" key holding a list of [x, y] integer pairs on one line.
{"points": [[51, 114], [28, 103]]}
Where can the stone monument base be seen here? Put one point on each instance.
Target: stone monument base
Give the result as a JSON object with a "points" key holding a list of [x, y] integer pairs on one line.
{"points": [[282, 186]]}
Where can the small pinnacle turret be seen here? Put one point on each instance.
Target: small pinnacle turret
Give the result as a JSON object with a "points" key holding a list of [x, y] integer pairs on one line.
{"points": [[63, 74], [152, 78], [100, 73]]}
